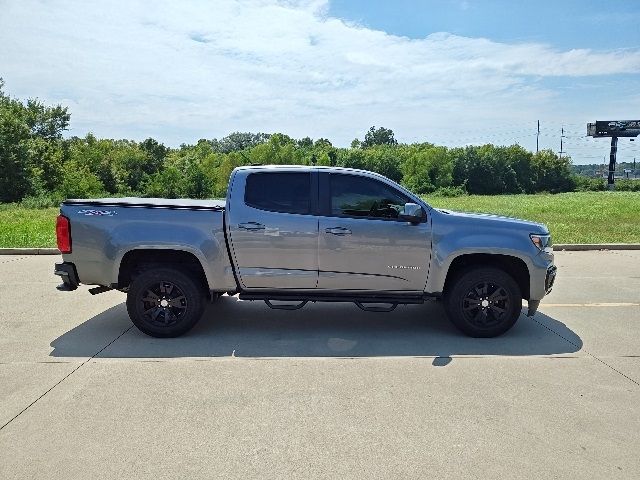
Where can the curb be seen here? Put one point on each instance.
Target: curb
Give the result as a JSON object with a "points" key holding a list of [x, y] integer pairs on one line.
{"points": [[582, 247], [29, 251]]}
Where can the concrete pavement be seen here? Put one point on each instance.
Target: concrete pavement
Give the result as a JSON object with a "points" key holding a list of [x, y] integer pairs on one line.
{"points": [[325, 392]]}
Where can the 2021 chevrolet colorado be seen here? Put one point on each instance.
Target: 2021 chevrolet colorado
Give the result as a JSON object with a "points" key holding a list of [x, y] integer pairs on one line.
{"points": [[299, 234]]}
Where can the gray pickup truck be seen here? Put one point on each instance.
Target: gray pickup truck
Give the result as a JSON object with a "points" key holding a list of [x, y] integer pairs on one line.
{"points": [[292, 235]]}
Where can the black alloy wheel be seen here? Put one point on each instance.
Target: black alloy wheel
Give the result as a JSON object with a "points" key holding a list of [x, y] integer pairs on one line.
{"points": [[165, 302], [484, 302]]}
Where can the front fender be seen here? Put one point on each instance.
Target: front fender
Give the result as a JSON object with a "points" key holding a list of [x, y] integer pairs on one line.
{"points": [[446, 248]]}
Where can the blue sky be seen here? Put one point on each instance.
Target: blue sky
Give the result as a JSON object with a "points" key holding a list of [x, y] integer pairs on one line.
{"points": [[566, 24], [451, 72]]}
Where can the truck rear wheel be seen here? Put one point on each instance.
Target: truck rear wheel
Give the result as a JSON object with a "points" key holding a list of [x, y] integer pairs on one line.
{"points": [[165, 302], [484, 302]]}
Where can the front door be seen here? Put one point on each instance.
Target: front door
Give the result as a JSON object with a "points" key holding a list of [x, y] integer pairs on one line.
{"points": [[362, 243], [274, 237]]}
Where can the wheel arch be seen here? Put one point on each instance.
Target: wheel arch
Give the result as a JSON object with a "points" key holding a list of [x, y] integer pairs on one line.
{"points": [[514, 266], [138, 259]]}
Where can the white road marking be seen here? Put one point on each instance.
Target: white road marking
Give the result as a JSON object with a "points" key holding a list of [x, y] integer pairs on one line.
{"points": [[618, 304]]}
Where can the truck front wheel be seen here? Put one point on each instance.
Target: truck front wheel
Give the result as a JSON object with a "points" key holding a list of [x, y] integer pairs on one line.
{"points": [[165, 302], [484, 302]]}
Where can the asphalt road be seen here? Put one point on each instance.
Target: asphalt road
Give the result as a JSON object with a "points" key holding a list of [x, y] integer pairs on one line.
{"points": [[325, 392]]}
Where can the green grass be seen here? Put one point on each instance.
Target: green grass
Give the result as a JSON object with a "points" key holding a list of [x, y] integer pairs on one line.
{"points": [[582, 217], [578, 217], [27, 227]]}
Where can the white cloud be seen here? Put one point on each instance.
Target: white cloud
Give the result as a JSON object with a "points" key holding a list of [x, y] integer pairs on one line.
{"points": [[180, 71]]}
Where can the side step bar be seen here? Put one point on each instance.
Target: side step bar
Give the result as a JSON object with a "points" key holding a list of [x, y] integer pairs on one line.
{"points": [[297, 306], [362, 301]]}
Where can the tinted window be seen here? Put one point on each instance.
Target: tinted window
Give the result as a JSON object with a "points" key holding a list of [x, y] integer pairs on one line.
{"points": [[279, 192], [355, 196]]}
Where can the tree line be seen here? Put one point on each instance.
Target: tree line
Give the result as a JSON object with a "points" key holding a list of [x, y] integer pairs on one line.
{"points": [[40, 167]]}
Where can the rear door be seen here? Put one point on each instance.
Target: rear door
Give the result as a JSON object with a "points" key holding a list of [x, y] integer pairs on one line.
{"points": [[362, 243], [274, 235]]}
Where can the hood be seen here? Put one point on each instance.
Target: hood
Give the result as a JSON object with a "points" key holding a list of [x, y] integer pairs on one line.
{"points": [[497, 221]]}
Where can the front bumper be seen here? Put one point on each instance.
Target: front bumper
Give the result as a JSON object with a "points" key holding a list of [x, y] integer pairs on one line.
{"points": [[67, 272], [549, 279]]}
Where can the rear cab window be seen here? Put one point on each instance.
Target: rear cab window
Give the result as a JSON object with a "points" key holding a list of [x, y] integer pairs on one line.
{"points": [[283, 192]]}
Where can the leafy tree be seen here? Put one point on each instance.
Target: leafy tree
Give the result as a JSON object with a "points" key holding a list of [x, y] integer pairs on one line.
{"points": [[46, 158], [46, 122], [551, 172], [383, 159], [30, 146], [352, 158], [279, 150], [426, 168], [306, 142], [520, 161], [79, 182], [237, 141], [167, 183], [156, 152], [35, 161], [323, 143], [378, 136], [14, 180]]}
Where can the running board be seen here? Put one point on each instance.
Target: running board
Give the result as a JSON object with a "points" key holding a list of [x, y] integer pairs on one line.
{"points": [[378, 309], [294, 306], [361, 301]]}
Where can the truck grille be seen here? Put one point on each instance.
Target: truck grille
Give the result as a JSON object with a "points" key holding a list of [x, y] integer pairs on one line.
{"points": [[551, 278]]}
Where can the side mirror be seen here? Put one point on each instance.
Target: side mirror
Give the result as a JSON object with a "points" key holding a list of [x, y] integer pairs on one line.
{"points": [[411, 213]]}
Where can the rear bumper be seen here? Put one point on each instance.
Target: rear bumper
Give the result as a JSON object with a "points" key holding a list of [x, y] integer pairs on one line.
{"points": [[67, 272]]}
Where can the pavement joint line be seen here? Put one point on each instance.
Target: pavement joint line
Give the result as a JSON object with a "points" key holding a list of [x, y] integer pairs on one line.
{"points": [[624, 253], [329, 358], [65, 377], [587, 352], [14, 259], [594, 304], [39, 362]]}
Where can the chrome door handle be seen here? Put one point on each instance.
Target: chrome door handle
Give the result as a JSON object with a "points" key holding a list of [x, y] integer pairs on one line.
{"points": [[338, 231], [251, 226]]}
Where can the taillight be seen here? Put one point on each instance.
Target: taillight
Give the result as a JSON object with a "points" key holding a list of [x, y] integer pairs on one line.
{"points": [[63, 234]]}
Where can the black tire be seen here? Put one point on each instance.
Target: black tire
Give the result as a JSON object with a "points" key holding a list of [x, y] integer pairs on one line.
{"points": [[484, 302], [165, 302]]}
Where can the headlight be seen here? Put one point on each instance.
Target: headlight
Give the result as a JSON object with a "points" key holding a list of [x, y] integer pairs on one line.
{"points": [[541, 241]]}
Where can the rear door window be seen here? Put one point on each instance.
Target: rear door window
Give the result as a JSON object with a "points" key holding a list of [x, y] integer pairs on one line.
{"points": [[279, 192]]}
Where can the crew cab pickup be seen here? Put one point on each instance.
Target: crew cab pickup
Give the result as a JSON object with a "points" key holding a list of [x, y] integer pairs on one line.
{"points": [[289, 235]]}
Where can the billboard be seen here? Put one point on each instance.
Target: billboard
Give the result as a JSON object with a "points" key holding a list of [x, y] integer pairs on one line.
{"points": [[614, 128]]}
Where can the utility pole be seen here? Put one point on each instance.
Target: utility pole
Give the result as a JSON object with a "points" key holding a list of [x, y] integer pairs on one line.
{"points": [[612, 163], [561, 137], [538, 137]]}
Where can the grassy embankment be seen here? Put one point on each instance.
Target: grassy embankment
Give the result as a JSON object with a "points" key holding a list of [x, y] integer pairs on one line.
{"points": [[589, 217], [577, 217]]}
